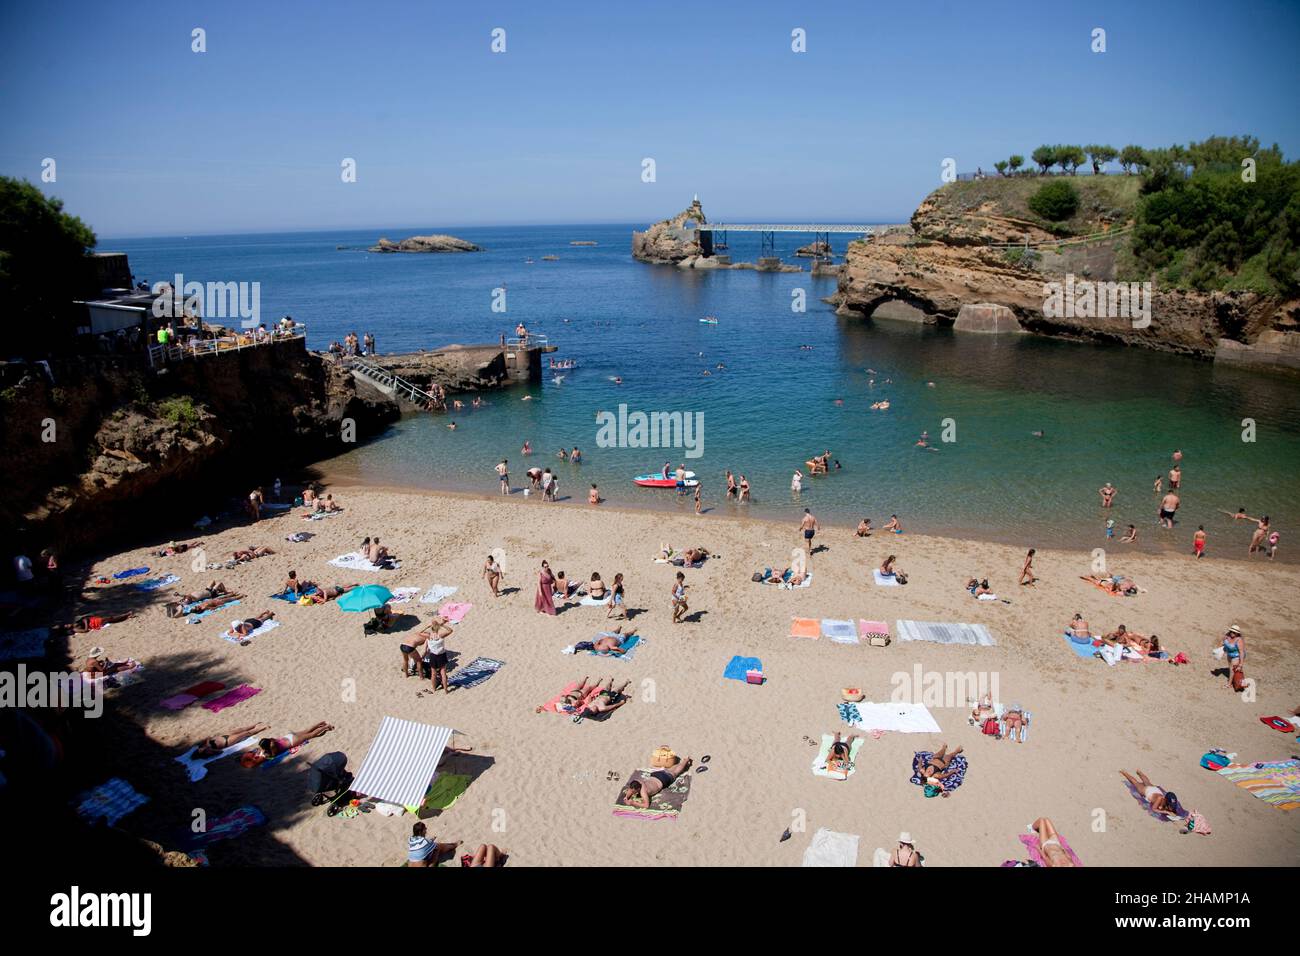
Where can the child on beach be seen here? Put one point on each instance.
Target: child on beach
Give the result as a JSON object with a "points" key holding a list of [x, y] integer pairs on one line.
{"points": [[1198, 542]]}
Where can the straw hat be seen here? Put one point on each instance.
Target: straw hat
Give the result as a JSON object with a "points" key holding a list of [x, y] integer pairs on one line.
{"points": [[905, 837], [1234, 629], [96, 653]]}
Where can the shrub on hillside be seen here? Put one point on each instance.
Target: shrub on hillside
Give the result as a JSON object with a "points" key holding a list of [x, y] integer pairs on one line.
{"points": [[1055, 201]]}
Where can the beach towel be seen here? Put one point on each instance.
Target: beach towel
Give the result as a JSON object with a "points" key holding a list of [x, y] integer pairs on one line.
{"points": [[1081, 648], [1030, 840], [232, 697], [869, 629], [403, 595], [17, 645], [475, 672], [356, 561], [631, 645], [200, 615], [1275, 782], [885, 580], [288, 595], [153, 584], [437, 594], [233, 824], [951, 783], [298, 537], [589, 601], [552, 706], [402, 761], [823, 755], [807, 627], [986, 597], [737, 666], [899, 716], [455, 611], [945, 633], [1165, 817], [238, 638], [130, 573], [841, 632], [197, 767], [134, 674], [665, 805], [191, 694], [829, 848], [111, 801], [443, 793]]}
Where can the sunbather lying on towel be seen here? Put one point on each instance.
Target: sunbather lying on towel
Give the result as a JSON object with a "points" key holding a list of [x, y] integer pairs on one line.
{"points": [[177, 547], [977, 587], [607, 642], [1049, 844], [213, 596], [270, 747], [638, 793], [250, 624], [248, 554], [691, 557], [790, 576], [488, 854], [939, 768], [837, 761], [1013, 723], [322, 595], [99, 665], [983, 711], [1116, 584], [609, 699], [211, 746], [1157, 798], [92, 622]]}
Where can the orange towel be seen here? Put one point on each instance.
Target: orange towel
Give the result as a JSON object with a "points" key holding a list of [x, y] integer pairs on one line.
{"points": [[809, 627]]}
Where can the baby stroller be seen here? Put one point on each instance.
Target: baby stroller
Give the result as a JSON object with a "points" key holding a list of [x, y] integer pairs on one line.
{"points": [[329, 780]]}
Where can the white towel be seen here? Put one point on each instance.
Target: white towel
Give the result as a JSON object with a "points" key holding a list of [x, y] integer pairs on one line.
{"points": [[945, 633], [590, 601], [886, 581], [829, 848], [403, 595], [437, 594], [356, 561], [197, 767], [234, 638], [899, 716]]}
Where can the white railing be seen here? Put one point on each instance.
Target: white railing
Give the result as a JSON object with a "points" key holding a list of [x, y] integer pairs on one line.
{"points": [[529, 341], [196, 347]]}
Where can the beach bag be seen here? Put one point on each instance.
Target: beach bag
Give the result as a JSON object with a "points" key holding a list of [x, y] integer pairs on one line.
{"points": [[900, 577], [878, 640], [931, 790], [1214, 760], [1238, 679], [990, 728], [663, 757], [758, 577]]}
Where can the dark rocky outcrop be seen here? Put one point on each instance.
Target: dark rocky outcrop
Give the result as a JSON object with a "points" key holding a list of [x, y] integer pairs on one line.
{"points": [[437, 243]]}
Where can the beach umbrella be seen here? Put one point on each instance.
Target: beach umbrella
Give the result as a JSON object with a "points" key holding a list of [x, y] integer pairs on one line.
{"points": [[365, 598]]}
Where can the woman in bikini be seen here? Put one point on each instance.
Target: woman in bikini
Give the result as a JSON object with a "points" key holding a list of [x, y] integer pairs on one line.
{"points": [[838, 760], [492, 571], [270, 747], [905, 853], [678, 591], [1079, 627], [1154, 796], [249, 625], [1049, 844], [212, 746], [596, 587], [326, 594], [1013, 722], [939, 766], [616, 605], [1233, 646], [608, 699]]}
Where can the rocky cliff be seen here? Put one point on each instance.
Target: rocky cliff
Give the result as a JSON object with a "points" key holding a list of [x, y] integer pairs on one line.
{"points": [[438, 243], [670, 240], [944, 259], [102, 447]]}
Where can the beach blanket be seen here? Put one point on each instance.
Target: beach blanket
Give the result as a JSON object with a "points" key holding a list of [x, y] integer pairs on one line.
{"points": [[819, 766], [111, 801], [869, 629], [1030, 840], [885, 580], [200, 615], [841, 632], [1276, 782], [17, 645], [240, 638], [197, 767], [829, 848], [288, 596], [232, 697], [123, 678], [475, 672], [959, 764], [403, 595], [443, 793], [899, 716], [1081, 648], [737, 666], [191, 694], [130, 573], [298, 537], [356, 561], [945, 633], [233, 824], [455, 611], [1166, 817], [552, 706], [153, 584], [806, 627], [630, 646], [589, 601], [437, 594], [665, 805]]}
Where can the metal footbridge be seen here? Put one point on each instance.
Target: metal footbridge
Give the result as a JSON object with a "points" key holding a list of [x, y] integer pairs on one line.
{"points": [[822, 232]]}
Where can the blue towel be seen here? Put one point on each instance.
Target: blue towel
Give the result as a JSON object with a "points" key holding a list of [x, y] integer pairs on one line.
{"points": [[153, 584], [287, 595], [629, 647], [197, 616], [475, 672], [736, 669], [1084, 650], [130, 573]]}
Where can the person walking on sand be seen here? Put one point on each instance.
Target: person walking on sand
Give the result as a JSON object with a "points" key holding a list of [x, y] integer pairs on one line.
{"points": [[544, 602], [492, 571], [808, 525], [503, 472], [699, 503], [616, 605], [1198, 542], [1027, 572], [1168, 508], [678, 591]]}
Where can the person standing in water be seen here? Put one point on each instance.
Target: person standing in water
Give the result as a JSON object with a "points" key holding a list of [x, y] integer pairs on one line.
{"points": [[1261, 532], [1198, 542], [1175, 478], [503, 472], [1168, 507], [1107, 492], [698, 501]]}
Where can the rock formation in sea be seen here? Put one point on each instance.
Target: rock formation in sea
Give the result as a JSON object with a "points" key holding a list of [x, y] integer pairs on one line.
{"points": [[815, 250], [673, 239], [438, 243]]}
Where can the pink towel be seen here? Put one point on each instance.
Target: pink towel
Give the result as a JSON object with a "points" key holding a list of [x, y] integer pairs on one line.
{"points": [[232, 697], [1030, 840], [455, 611], [179, 702]]}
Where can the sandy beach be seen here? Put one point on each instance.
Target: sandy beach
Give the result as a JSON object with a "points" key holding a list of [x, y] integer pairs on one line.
{"points": [[543, 787]]}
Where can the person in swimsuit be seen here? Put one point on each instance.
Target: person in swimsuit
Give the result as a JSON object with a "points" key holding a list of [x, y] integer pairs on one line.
{"points": [[249, 625], [1131, 535], [211, 746], [1079, 627], [423, 852], [608, 700], [606, 642], [808, 525], [1261, 532], [638, 793], [939, 767], [1027, 572], [680, 607], [503, 472], [731, 485], [905, 853], [616, 605], [1175, 478], [297, 587], [248, 554], [887, 568], [326, 594], [1154, 796], [1198, 542], [1013, 722], [1159, 485], [434, 638], [269, 747], [744, 488], [983, 711], [1107, 492], [894, 525], [864, 528], [99, 665], [593, 496], [1049, 844], [488, 854], [492, 571], [839, 759], [977, 587], [1233, 647]]}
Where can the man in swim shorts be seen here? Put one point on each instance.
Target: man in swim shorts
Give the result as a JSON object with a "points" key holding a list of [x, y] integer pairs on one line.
{"points": [[638, 793], [809, 528], [1168, 507]]}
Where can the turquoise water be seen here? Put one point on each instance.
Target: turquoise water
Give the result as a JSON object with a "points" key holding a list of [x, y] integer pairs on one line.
{"points": [[1108, 413]]}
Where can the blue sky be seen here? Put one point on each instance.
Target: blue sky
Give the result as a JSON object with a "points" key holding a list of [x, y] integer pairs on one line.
{"points": [[153, 139]]}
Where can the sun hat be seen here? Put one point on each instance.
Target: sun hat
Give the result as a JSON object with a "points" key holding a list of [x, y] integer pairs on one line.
{"points": [[1234, 629], [96, 653], [905, 837]]}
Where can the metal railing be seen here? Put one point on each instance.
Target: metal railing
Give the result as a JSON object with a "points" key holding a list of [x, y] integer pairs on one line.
{"points": [[386, 379], [529, 341], [197, 347]]}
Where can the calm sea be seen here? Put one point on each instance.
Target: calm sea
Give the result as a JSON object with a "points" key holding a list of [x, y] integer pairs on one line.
{"points": [[794, 384]]}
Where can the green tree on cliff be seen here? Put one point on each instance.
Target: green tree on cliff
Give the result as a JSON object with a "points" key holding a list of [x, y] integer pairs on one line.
{"points": [[1132, 157], [1055, 201], [1015, 161], [1001, 167], [1045, 157], [1069, 158], [43, 266], [1100, 156]]}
